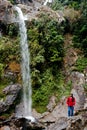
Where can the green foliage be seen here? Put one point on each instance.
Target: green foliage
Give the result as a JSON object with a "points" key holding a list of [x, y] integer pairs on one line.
{"points": [[9, 52], [36, 50], [81, 64], [75, 5], [80, 30], [1, 70], [51, 39], [46, 42], [59, 4], [8, 49], [50, 85], [2, 86], [80, 37], [12, 30], [45, 38], [56, 5]]}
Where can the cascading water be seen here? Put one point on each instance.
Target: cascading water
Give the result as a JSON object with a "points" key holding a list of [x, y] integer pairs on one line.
{"points": [[48, 1], [25, 66]]}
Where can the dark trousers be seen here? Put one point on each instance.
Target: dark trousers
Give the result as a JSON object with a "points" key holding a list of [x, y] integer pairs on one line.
{"points": [[70, 110]]}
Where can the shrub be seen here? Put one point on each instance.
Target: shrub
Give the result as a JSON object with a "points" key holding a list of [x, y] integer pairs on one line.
{"points": [[81, 64], [1, 70]]}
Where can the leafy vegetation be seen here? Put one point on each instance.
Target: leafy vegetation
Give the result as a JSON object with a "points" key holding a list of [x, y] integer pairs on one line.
{"points": [[1, 70], [46, 48], [2, 86], [60, 4], [9, 52], [80, 37], [81, 64]]}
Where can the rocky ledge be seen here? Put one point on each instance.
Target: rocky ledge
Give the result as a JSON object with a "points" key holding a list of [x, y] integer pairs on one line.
{"points": [[78, 122], [11, 92]]}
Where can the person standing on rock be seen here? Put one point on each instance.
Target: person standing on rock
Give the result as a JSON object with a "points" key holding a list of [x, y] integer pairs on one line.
{"points": [[71, 103]]}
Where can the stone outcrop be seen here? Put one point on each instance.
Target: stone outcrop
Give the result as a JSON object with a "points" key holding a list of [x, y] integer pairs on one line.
{"points": [[31, 11], [11, 93], [77, 122], [5, 10], [74, 123], [78, 82], [21, 124]]}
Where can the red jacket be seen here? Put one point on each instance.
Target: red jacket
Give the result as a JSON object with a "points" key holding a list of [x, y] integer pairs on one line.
{"points": [[70, 101]]}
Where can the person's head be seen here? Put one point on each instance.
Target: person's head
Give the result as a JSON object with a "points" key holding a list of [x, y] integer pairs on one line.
{"points": [[71, 94]]}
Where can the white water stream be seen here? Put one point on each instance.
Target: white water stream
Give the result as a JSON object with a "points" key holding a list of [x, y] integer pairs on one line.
{"points": [[48, 1], [25, 65]]}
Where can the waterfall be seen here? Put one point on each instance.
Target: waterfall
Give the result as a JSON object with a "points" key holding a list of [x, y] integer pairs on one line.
{"points": [[48, 1], [25, 65]]}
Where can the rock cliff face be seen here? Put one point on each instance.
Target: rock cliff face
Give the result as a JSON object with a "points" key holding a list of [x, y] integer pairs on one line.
{"points": [[11, 93], [32, 10], [5, 10]]}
